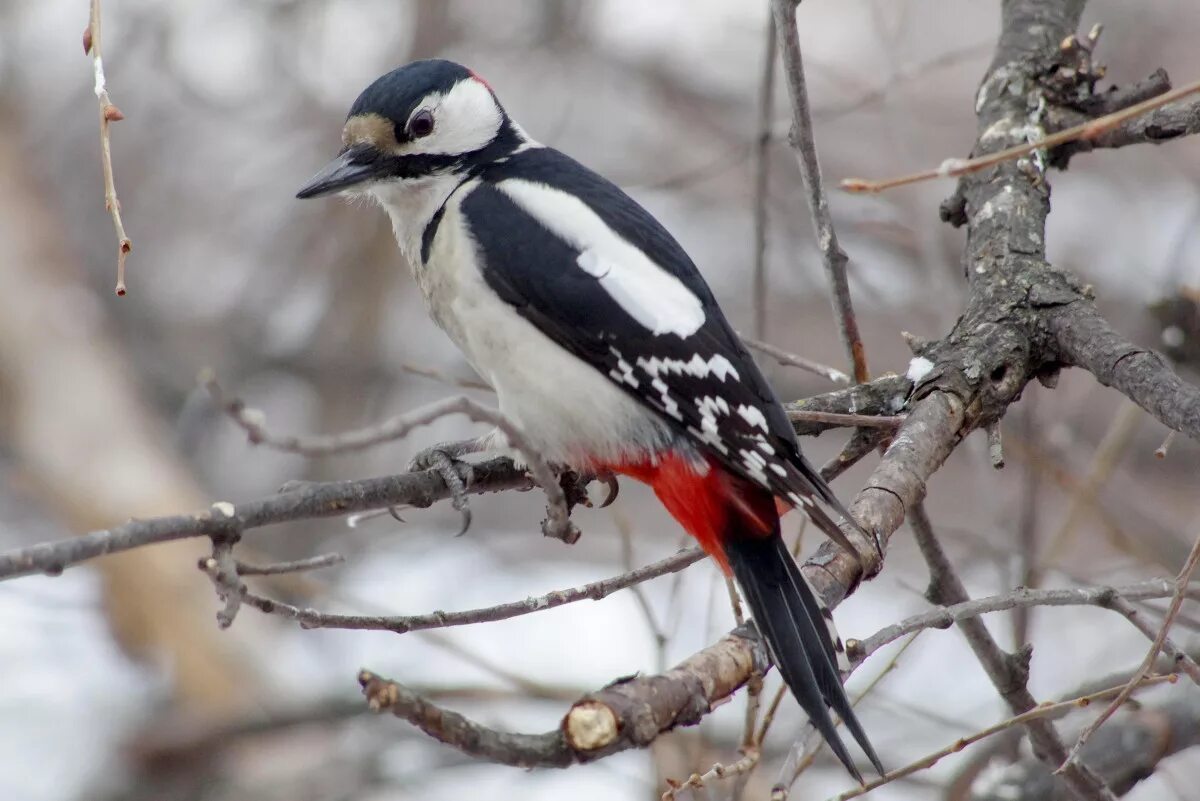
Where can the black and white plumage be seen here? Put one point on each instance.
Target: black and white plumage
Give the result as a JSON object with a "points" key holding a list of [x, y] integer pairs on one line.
{"points": [[600, 337]]}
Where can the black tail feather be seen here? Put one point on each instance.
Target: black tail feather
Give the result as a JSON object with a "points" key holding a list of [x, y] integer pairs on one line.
{"points": [[797, 628]]}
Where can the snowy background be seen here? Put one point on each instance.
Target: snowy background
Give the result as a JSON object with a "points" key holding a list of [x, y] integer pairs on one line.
{"points": [[305, 310]]}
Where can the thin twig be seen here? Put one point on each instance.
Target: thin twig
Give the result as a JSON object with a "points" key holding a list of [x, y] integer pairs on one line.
{"points": [[762, 173], [1041, 712], [313, 619], [296, 566], [1161, 451], [718, 771], [221, 568], [1009, 673], [1181, 588], [848, 420], [832, 255], [954, 167], [1104, 461], [558, 523], [995, 445], [1181, 661], [627, 561], [943, 617], [109, 113], [1027, 524], [438, 375], [806, 762], [792, 360]]}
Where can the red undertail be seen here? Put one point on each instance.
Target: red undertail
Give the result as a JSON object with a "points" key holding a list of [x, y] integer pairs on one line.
{"points": [[737, 522], [709, 506]]}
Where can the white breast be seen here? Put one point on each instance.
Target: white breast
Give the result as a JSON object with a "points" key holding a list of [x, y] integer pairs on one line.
{"points": [[572, 412]]}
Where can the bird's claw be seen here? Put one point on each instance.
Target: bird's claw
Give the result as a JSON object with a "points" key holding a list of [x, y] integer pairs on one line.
{"points": [[443, 460], [575, 487], [610, 481]]}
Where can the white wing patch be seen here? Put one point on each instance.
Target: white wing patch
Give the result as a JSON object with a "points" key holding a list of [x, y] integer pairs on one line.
{"points": [[624, 371], [669, 404], [647, 292], [753, 416], [717, 366]]}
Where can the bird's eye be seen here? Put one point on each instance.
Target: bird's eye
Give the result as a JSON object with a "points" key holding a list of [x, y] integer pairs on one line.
{"points": [[421, 124]]}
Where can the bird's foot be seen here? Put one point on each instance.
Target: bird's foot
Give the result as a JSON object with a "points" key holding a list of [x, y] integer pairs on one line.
{"points": [[444, 458], [575, 483]]}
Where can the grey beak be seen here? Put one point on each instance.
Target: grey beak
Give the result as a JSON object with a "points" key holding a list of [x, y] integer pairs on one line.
{"points": [[344, 171]]}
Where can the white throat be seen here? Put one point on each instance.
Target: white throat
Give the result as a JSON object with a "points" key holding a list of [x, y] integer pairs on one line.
{"points": [[411, 204]]}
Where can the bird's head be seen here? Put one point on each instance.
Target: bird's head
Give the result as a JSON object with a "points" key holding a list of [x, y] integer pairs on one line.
{"points": [[424, 119]]}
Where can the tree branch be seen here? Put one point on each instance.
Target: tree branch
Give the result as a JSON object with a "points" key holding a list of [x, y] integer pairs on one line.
{"points": [[1008, 672], [558, 515], [1043, 712], [626, 714], [109, 113], [943, 617], [315, 500], [1085, 339], [312, 619], [832, 255]]}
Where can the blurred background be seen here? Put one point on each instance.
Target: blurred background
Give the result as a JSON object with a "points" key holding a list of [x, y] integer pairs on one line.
{"points": [[115, 682]]}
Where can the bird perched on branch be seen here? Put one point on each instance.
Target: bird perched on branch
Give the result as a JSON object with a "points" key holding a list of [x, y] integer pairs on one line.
{"points": [[602, 340]]}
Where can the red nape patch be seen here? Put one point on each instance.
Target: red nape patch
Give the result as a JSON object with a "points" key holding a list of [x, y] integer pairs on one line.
{"points": [[712, 506], [479, 78]]}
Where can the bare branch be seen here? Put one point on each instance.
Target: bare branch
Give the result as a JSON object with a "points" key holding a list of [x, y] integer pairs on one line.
{"points": [[1180, 659], [296, 566], [762, 174], [832, 255], [109, 113], [943, 617], [1087, 340], [1093, 129], [1042, 713], [438, 375], [917, 450], [312, 619], [1160, 640], [889, 422], [1008, 672], [1126, 751], [624, 715], [558, 523], [221, 569], [315, 500], [792, 360], [885, 395]]}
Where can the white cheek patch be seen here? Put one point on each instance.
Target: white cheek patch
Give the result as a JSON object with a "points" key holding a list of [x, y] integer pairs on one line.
{"points": [[465, 119], [649, 294]]}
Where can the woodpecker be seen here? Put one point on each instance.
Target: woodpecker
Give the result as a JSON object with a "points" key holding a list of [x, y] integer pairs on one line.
{"points": [[602, 341]]}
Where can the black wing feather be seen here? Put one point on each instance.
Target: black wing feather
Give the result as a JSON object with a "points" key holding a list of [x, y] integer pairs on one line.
{"points": [[536, 271]]}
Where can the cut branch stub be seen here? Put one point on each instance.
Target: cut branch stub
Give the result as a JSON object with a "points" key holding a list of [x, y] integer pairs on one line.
{"points": [[631, 714]]}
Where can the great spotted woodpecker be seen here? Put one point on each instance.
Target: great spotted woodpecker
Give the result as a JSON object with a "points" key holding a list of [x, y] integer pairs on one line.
{"points": [[601, 339]]}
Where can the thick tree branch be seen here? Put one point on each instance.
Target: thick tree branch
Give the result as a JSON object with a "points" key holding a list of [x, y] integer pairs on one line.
{"points": [[1086, 340], [626, 714]]}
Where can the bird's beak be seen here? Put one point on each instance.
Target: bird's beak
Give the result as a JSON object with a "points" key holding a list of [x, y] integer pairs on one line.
{"points": [[344, 171]]}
